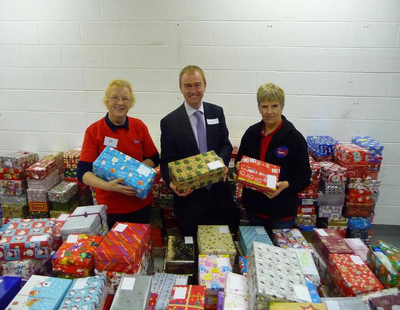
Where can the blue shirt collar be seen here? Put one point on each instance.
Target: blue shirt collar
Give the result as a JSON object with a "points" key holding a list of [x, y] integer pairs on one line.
{"points": [[114, 127]]}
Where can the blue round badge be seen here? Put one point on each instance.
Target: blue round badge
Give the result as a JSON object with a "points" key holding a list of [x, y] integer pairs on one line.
{"points": [[281, 151]]}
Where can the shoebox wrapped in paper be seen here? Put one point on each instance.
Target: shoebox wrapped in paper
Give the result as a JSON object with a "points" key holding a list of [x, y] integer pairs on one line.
{"points": [[248, 234], [290, 238], [196, 171], [187, 297], [18, 160], [180, 255], [113, 164], [328, 241], [41, 169]]}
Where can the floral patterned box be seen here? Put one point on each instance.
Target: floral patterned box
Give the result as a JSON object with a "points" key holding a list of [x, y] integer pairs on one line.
{"points": [[196, 171], [212, 272], [113, 164]]}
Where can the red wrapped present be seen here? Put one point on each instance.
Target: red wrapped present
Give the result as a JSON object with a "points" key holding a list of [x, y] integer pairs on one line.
{"points": [[328, 241], [332, 172], [187, 297], [258, 175], [358, 209], [305, 209], [359, 195], [11, 174], [41, 169], [351, 154], [351, 275], [122, 248]]}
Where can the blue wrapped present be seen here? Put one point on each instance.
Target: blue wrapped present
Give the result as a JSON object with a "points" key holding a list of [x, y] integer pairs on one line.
{"points": [[40, 293], [113, 164], [321, 145], [368, 143], [358, 223], [9, 288], [248, 234]]}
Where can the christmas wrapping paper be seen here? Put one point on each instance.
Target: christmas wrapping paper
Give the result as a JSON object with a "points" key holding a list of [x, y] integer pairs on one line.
{"points": [[391, 252], [212, 242], [11, 199], [358, 247], [21, 268], [18, 160], [212, 273], [321, 145], [14, 211], [290, 238], [85, 220], [306, 209], [41, 169], [274, 274], [46, 183], [331, 199], [58, 158], [122, 249], [332, 172], [35, 194], [332, 188], [196, 171], [307, 265], [243, 265], [258, 175], [354, 223], [351, 275], [113, 164], [236, 284], [359, 195], [113, 279], [296, 306], [71, 159], [368, 143], [351, 154], [330, 211], [328, 241], [304, 220], [248, 234], [26, 238], [63, 191], [383, 269], [11, 174], [78, 252], [38, 215], [188, 297], [387, 302], [13, 187], [37, 206], [133, 293], [180, 255], [41, 293], [72, 203], [86, 293], [344, 303], [161, 288], [358, 209], [366, 297]]}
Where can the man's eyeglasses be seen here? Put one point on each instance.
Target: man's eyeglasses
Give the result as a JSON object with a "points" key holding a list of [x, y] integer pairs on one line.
{"points": [[116, 99]]}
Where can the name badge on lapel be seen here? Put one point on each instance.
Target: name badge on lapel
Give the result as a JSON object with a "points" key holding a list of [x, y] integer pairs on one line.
{"points": [[108, 141], [212, 121]]}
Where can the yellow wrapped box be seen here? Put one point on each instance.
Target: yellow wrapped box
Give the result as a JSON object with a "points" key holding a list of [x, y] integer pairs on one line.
{"points": [[196, 171]]}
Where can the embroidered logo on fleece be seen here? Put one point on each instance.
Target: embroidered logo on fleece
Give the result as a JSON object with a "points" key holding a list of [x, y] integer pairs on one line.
{"points": [[281, 151], [136, 141]]}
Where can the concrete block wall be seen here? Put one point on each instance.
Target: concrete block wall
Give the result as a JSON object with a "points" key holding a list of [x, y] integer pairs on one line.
{"points": [[337, 60]]}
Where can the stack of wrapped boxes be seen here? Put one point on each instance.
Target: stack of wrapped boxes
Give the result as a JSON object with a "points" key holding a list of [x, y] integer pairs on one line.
{"points": [[248, 234], [375, 154], [63, 198], [13, 183], [26, 246], [306, 218], [331, 196], [42, 176], [359, 203]]}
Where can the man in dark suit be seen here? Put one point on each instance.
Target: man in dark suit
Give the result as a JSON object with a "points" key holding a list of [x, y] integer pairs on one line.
{"points": [[204, 206]]}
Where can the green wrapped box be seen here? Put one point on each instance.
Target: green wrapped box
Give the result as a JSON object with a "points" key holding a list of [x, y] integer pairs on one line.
{"points": [[196, 171], [14, 211]]}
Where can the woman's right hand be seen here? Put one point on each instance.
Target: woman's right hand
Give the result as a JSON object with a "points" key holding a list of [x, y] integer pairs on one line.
{"points": [[115, 186], [174, 189]]}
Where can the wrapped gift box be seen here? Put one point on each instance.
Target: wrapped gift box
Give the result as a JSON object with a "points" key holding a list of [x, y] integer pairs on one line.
{"points": [[133, 293], [86, 293], [296, 306], [306, 210], [358, 209], [187, 297], [123, 238], [248, 234], [328, 241], [40, 293], [63, 191], [113, 164], [351, 154], [321, 145], [356, 223], [21, 268], [11, 174], [13, 187], [196, 171], [212, 274], [26, 238], [88, 220], [308, 266], [366, 297], [41, 169], [65, 206], [332, 188], [236, 284], [46, 183], [214, 239], [235, 302], [382, 267], [76, 251], [351, 275], [358, 247], [387, 302], [38, 215], [359, 195], [71, 159], [368, 143], [330, 211], [344, 303], [113, 279], [9, 288], [332, 172], [38, 206], [258, 175], [14, 211], [243, 265], [35, 194], [303, 220], [18, 160], [290, 238], [58, 158], [391, 252], [180, 255]]}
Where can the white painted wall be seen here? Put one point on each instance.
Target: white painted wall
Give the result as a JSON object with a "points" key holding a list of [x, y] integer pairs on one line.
{"points": [[337, 60]]}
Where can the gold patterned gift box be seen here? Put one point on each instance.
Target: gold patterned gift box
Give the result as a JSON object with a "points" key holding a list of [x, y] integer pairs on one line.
{"points": [[196, 171]]}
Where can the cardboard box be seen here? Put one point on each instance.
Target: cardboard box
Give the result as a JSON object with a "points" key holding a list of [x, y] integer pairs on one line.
{"points": [[196, 171], [258, 175]]}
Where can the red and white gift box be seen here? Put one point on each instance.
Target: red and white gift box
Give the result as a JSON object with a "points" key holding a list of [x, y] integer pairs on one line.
{"points": [[351, 154], [332, 172], [41, 169]]}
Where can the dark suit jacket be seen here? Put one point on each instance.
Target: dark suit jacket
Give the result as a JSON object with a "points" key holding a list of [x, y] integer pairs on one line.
{"points": [[178, 140]]}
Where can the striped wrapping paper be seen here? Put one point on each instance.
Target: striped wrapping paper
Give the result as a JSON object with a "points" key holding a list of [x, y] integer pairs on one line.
{"points": [[122, 249]]}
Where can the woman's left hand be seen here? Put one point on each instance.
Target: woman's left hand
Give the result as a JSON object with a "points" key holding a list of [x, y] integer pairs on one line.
{"points": [[280, 186]]}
